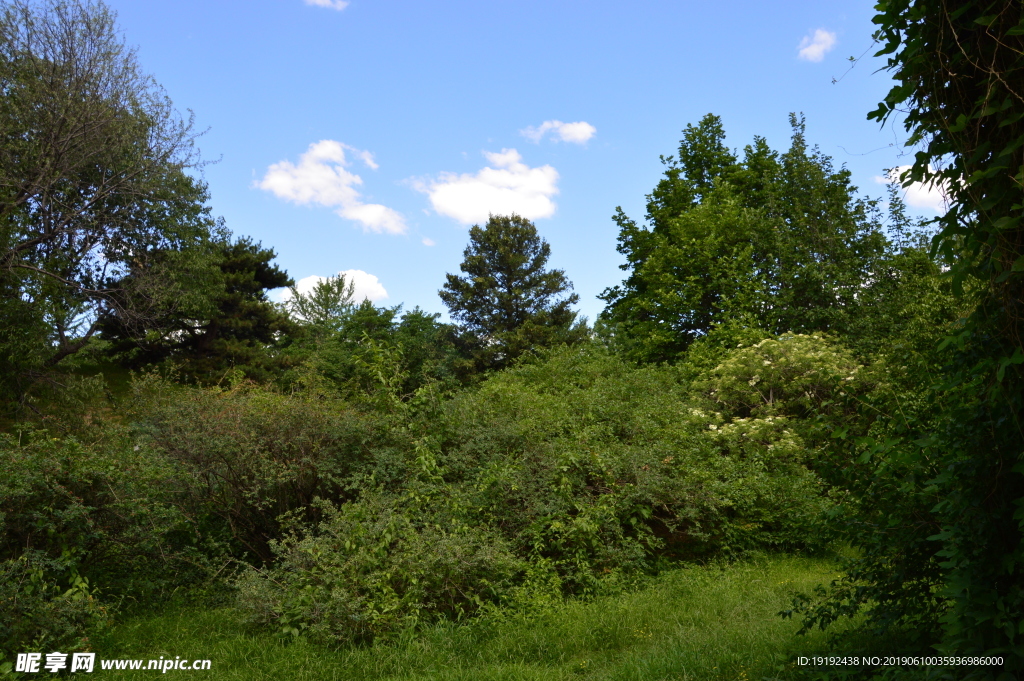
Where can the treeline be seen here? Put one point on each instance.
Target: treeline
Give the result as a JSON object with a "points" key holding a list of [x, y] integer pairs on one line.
{"points": [[787, 365]]}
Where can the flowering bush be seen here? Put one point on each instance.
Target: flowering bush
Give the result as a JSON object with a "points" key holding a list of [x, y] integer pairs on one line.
{"points": [[796, 375]]}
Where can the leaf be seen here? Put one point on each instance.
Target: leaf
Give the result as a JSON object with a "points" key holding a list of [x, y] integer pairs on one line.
{"points": [[1018, 358], [1006, 223]]}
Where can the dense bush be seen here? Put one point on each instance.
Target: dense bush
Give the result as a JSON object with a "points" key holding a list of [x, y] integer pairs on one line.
{"points": [[796, 375], [564, 475], [571, 473], [81, 526], [37, 611], [600, 466], [110, 511], [375, 566], [342, 345], [250, 454]]}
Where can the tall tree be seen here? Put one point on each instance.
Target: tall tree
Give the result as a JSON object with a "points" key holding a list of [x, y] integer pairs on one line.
{"points": [[505, 297], [777, 241], [93, 162]]}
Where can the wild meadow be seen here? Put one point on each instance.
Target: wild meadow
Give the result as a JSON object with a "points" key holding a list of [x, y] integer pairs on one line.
{"points": [[793, 431]]}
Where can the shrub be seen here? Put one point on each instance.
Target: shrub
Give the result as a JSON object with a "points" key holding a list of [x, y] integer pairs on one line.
{"points": [[36, 612], [250, 454], [796, 375], [601, 467], [82, 526], [109, 512], [572, 474], [376, 566], [773, 500]]}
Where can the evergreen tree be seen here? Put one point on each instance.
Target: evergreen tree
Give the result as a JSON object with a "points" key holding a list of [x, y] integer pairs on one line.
{"points": [[231, 325], [506, 299]]}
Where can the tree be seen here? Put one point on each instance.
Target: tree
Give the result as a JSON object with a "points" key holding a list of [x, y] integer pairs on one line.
{"points": [[505, 298], [93, 182], [960, 81], [231, 325], [325, 306], [353, 346], [776, 241]]}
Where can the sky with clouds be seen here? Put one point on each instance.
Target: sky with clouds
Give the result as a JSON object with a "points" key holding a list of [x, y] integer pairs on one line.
{"points": [[366, 136]]}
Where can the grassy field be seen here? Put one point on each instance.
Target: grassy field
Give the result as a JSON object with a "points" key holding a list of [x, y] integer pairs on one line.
{"points": [[693, 623]]}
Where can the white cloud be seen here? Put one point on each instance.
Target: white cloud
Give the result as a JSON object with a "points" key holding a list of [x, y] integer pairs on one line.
{"points": [[577, 133], [333, 4], [321, 178], [427, 241], [918, 195], [814, 47], [367, 286], [510, 186]]}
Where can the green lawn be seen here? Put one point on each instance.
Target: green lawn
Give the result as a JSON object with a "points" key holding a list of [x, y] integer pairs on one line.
{"points": [[693, 623]]}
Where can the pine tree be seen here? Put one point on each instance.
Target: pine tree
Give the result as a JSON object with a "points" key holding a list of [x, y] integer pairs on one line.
{"points": [[506, 299]]}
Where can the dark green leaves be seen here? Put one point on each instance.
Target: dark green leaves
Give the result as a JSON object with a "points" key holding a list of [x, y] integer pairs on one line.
{"points": [[505, 297]]}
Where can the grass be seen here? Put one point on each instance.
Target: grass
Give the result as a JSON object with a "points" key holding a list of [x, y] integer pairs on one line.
{"points": [[692, 623]]}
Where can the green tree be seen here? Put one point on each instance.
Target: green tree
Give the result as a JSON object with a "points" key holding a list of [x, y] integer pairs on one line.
{"points": [[232, 325], [777, 241], [959, 76], [326, 305], [505, 298], [341, 341], [432, 351], [93, 181]]}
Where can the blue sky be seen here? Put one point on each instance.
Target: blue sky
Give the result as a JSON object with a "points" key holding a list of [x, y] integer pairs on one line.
{"points": [[367, 136]]}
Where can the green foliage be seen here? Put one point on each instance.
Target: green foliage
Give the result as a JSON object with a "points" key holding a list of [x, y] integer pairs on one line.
{"points": [[82, 527], [252, 455], [432, 352], [228, 325], [914, 464], [325, 306], [908, 306], [958, 73], [371, 475], [778, 242], [796, 376], [938, 483], [508, 302], [929, 505], [104, 510], [38, 612], [599, 468], [347, 348], [571, 474], [93, 181], [377, 566]]}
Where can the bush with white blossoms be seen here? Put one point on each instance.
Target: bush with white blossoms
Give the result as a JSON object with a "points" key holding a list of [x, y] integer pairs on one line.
{"points": [[794, 375]]}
